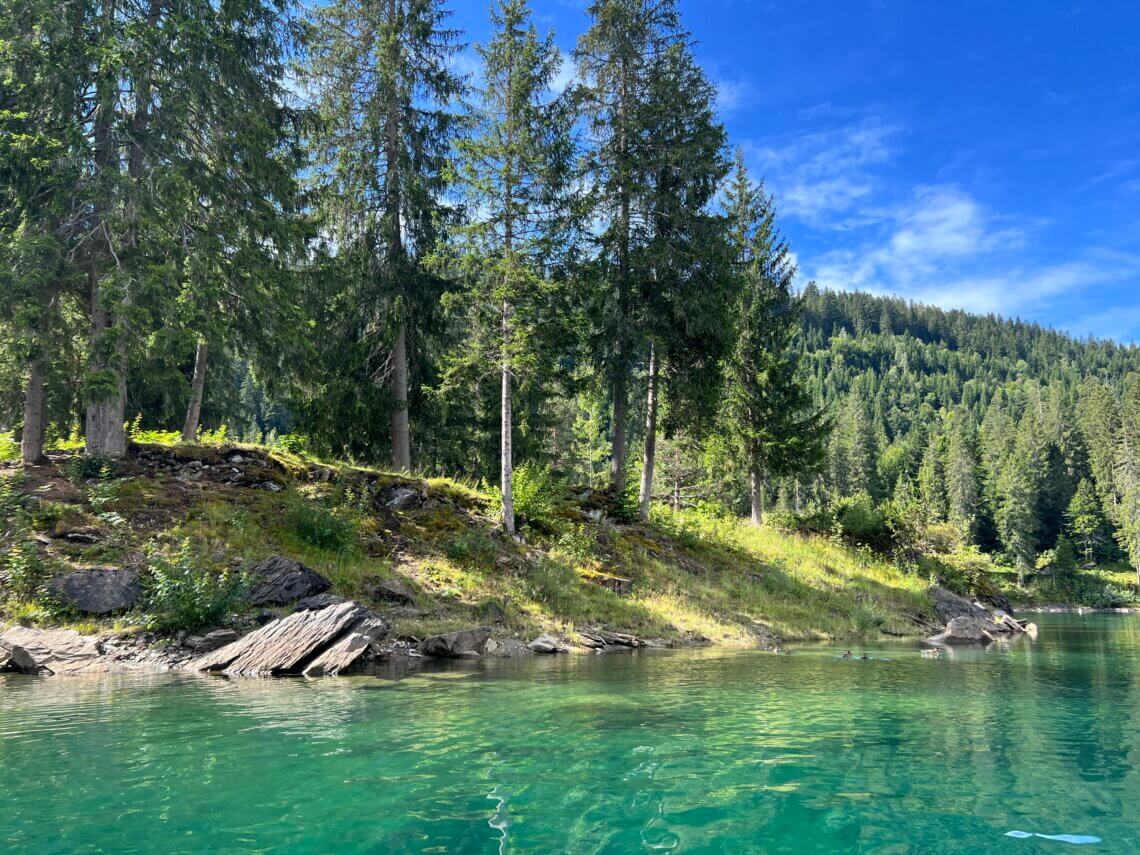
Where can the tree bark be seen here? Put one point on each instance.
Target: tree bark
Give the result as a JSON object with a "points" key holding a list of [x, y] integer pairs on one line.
{"points": [[106, 434], [32, 441], [507, 450], [756, 490], [401, 433], [649, 459], [677, 479], [197, 389]]}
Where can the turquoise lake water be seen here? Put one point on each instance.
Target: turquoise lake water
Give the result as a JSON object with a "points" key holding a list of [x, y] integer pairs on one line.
{"points": [[694, 751]]}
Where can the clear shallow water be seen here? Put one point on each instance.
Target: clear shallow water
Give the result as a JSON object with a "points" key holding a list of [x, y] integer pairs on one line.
{"points": [[704, 751]]}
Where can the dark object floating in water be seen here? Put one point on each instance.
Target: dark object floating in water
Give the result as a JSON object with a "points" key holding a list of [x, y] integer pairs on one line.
{"points": [[1076, 839]]}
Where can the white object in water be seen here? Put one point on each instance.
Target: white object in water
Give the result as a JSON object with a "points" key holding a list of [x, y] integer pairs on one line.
{"points": [[1076, 839]]}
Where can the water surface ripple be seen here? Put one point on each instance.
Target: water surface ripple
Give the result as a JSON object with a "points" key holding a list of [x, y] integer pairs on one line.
{"points": [[701, 751]]}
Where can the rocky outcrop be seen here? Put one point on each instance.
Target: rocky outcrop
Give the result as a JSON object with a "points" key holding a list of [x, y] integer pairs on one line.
{"points": [[98, 590], [318, 602], [547, 644], [964, 630], [620, 586], [390, 591], [402, 497], [601, 639], [322, 642], [453, 645], [279, 581], [219, 638], [49, 651], [948, 605]]}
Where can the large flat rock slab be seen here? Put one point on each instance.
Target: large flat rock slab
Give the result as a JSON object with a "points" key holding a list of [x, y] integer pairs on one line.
{"points": [[50, 651], [326, 641]]}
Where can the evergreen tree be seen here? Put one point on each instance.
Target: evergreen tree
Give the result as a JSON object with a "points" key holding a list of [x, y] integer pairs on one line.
{"points": [[380, 76], [962, 493], [685, 286], [769, 410], [616, 57], [514, 169], [1084, 520]]}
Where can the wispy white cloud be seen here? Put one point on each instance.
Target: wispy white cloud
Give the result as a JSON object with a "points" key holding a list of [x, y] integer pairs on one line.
{"points": [[820, 178], [733, 93], [943, 247], [565, 76]]}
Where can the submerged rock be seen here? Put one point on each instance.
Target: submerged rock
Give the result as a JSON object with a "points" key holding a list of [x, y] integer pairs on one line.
{"points": [[964, 630], [97, 591], [465, 642], [49, 651], [548, 644], [322, 642], [278, 581]]}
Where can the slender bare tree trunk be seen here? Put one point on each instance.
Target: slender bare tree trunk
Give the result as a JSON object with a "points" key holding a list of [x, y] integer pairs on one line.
{"points": [[649, 460], [756, 485], [506, 433], [676, 479], [197, 389], [620, 383], [32, 442], [401, 433]]}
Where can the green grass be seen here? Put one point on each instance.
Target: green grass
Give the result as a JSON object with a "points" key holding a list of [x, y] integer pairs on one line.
{"points": [[693, 573]]}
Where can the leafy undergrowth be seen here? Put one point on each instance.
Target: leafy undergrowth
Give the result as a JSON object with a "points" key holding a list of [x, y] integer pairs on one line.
{"points": [[693, 574]]}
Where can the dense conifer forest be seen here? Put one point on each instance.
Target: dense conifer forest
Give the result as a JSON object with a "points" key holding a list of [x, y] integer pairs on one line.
{"points": [[303, 227]]}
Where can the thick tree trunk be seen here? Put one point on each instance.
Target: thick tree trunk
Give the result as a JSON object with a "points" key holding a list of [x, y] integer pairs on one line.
{"points": [[106, 433], [32, 442], [649, 459], [197, 389], [506, 450], [401, 433], [756, 489]]}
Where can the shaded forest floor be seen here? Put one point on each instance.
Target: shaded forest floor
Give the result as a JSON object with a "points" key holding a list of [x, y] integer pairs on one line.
{"points": [[682, 577]]}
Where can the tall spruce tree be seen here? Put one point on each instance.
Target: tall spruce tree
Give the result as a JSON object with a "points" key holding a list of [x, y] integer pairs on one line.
{"points": [[685, 287], [769, 410], [515, 170], [615, 58], [380, 76]]}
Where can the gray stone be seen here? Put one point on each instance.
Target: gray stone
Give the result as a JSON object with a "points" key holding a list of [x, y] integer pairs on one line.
{"points": [[215, 640], [278, 581], [548, 644], [402, 497], [948, 605], [326, 641], [964, 630], [391, 591], [318, 602], [97, 591], [465, 642], [51, 651]]}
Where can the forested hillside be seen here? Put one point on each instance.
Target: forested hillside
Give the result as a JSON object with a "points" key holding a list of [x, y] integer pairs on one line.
{"points": [[301, 226]]}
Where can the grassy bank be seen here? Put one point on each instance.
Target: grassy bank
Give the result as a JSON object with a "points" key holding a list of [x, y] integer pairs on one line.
{"points": [[694, 575]]}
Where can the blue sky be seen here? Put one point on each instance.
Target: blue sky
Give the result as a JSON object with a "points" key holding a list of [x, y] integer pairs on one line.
{"points": [[977, 155]]}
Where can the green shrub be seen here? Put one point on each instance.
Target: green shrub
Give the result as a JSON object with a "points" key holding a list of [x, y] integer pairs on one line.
{"points": [[9, 448], [813, 521], [552, 582], [24, 570], [472, 547], [183, 595], [538, 493], [859, 520], [317, 526]]}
